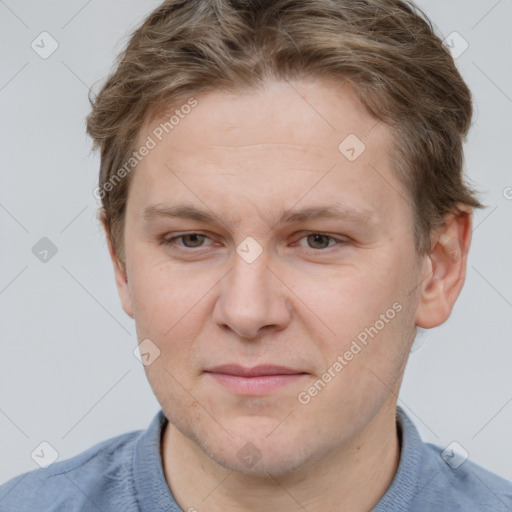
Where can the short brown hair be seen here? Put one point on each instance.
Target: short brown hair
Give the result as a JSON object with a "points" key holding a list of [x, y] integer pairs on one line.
{"points": [[386, 49]]}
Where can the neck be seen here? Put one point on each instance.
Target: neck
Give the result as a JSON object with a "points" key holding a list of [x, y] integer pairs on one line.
{"points": [[352, 477]]}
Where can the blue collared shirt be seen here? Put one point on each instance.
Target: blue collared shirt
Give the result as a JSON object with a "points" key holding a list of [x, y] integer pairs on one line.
{"points": [[125, 474]]}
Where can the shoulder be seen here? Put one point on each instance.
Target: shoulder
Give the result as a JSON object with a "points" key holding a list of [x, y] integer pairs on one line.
{"points": [[96, 478], [453, 482], [430, 477]]}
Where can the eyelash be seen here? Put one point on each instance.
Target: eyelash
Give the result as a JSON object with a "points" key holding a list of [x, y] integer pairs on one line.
{"points": [[171, 242]]}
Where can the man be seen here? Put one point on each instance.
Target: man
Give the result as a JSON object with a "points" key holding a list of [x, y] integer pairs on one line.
{"points": [[284, 204]]}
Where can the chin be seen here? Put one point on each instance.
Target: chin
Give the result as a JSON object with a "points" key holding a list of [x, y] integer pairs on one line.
{"points": [[250, 444], [272, 464], [255, 453]]}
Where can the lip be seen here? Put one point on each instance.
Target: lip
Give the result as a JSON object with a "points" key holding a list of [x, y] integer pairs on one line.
{"points": [[258, 380], [255, 371]]}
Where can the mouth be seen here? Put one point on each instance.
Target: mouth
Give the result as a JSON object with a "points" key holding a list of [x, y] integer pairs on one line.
{"points": [[258, 380]]}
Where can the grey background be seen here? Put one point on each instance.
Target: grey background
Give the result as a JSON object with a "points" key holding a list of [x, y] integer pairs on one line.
{"points": [[68, 375]]}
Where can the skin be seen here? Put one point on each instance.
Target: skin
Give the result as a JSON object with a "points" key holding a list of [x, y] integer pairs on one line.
{"points": [[301, 303]]}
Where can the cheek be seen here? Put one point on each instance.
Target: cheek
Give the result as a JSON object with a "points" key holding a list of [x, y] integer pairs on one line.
{"points": [[349, 301], [166, 304], [369, 316]]}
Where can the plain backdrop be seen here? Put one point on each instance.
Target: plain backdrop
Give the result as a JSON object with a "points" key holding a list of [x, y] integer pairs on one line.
{"points": [[68, 375]]}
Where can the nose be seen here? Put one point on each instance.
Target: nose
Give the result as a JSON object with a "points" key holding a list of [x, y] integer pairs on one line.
{"points": [[253, 298]]}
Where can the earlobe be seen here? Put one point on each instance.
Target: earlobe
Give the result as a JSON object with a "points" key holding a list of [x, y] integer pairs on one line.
{"points": [[121, 276], [444, 270]]}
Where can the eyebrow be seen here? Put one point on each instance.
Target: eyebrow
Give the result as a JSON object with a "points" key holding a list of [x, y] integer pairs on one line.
{"points": [[186, 211]]}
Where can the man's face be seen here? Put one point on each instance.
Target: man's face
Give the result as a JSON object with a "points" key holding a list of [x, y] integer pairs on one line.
{"points": [[250, 289]]}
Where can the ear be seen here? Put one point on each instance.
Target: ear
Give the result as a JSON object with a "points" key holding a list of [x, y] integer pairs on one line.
{"points": [[121, 275], [444, 269]]}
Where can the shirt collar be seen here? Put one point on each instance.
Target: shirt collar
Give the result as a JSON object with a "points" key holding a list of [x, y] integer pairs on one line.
{"points": [[152, 490], [404, 486], [154, 495]]}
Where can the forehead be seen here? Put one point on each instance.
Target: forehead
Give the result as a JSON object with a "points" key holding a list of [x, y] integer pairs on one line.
{"points": [[289, 142], [280, 112]]}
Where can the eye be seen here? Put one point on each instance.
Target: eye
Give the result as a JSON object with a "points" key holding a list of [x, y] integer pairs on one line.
{"points": [[318, 241], [190, 241]]}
